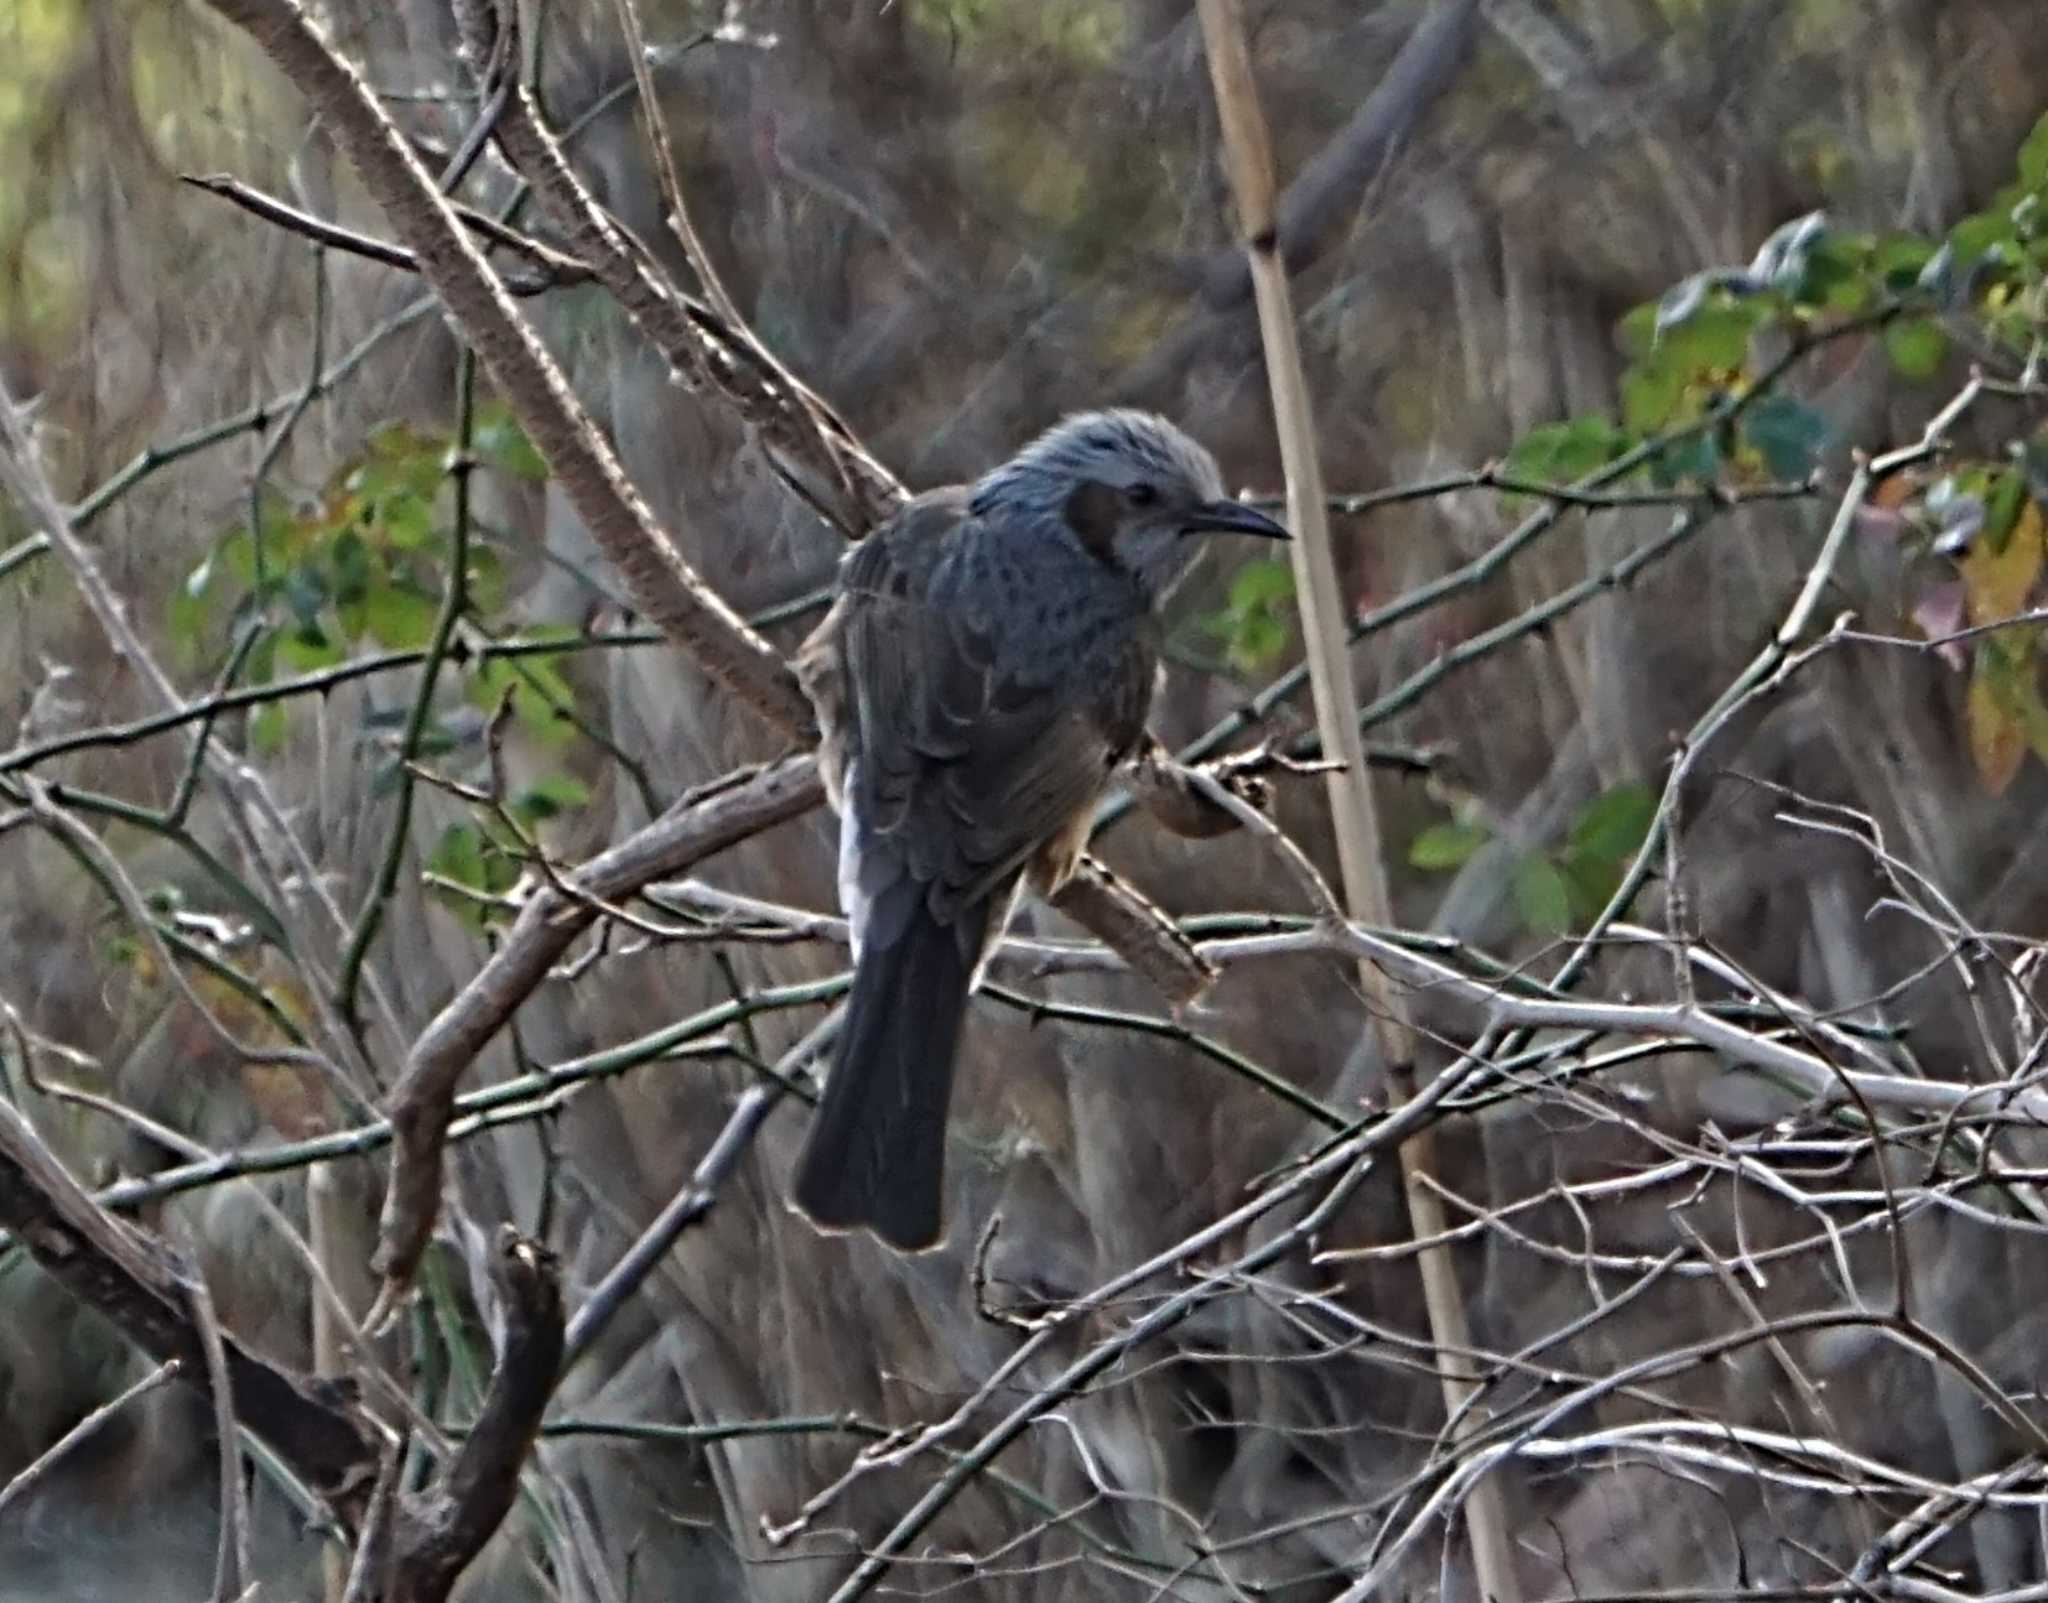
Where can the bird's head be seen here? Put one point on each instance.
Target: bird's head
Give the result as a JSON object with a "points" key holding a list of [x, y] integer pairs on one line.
{"points": [[1130, 488]]}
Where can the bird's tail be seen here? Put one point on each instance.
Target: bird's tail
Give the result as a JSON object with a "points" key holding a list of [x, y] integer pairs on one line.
{"points": [[875, 1155]]}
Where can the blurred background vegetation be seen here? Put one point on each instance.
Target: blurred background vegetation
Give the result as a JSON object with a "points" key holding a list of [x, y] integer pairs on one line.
{"points": [[958, 219]]}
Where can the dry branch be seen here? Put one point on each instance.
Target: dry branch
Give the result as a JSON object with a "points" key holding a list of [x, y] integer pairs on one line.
{"points": [[26, 1480], [423, 1102], [663, 586], [815, 452], [1352, 809], [141, 1286], [439, 1534], [554, 270], [1325, 193]]}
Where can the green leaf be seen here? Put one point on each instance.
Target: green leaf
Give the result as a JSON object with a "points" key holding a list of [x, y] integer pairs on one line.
{"points": [[401, 460], [550, 797], [261, 666], [501, 442], [1714, 339], [1257, 618], [1975, 237], [1787, 433], [1590, 443], [1838, 273], [1916, 347], [1542, 896], [350, 559], [1614, 823], [1637, 331], [2002, 507], [399, 617], [486, 579], [1260, 583], [547, 683], [1256, 642], [283, 535], [305, 592], [192, 607], [1446, 846], [540, 695], [397, 483], [1532, 455], [1650, 393], [308, 650], [459, 855], [268, 726], [207, 595], [1696, 457], [1900, 259], [1591, 886], [2034, 156], [406, 521]]}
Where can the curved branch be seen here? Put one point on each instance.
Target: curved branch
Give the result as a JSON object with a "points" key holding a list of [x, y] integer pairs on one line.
{"points": [[663, 586], [423, 1103]]}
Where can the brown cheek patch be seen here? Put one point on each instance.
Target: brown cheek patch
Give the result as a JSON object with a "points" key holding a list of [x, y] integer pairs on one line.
{"points": [[1093, 511]]}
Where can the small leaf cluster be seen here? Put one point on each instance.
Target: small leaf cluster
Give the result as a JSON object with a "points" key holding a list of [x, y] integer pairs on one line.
{"points": [[1255, 625], [363, 565], [1697, 392], [1556, 891]]}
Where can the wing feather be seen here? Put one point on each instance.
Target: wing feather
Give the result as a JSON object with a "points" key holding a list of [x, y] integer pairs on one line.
{"points": [[963, 770]]}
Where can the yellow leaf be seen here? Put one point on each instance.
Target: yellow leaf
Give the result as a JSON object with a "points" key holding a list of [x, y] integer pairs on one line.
{"points": [[1998, 583], [1998, 740]]}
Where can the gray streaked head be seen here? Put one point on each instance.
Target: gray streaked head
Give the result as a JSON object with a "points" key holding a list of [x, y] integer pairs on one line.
{"points": [[1129, 487]]}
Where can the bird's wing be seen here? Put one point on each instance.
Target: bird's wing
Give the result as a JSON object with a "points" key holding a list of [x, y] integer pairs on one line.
{"points": [[968, 766]]}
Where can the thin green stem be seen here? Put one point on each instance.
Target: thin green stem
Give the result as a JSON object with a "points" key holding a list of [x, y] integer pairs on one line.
{"points": [[515, 1100], [1559, 500], [188, 782], [317, 682], [15, 555], [238, 890], [1165, 1029], [454, 602]]}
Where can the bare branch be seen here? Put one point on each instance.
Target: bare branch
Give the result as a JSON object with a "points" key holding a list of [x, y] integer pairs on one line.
{"points": [[26, 1479], [441, 1532], [816, 453], [422, 1104], [555, 270], [136, 1282], [663, 586]]}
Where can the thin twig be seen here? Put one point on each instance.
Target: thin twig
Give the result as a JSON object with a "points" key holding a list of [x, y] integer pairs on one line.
{"points": [[697, 1194], [25, 1480], [231, 1564]]}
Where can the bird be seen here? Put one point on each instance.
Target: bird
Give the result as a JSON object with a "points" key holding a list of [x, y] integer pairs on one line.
{"points": [[988, 661]]}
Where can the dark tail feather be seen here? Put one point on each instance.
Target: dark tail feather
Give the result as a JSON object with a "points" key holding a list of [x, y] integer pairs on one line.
{"points": [[875, 1155]]}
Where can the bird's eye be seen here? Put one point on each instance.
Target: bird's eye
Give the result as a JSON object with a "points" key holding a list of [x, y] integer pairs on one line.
{"points": [[1141, 495]]}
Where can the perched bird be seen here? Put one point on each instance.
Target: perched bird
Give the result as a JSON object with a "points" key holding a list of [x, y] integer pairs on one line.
{"points": [[987, 663]]}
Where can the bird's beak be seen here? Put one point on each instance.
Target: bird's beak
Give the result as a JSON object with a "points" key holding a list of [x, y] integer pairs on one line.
{"points": [[1233, 517]]}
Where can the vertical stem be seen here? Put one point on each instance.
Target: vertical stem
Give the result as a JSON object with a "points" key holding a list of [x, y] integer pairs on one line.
{"points": [[323, 1234], [1351, 802], [454, 602]]}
